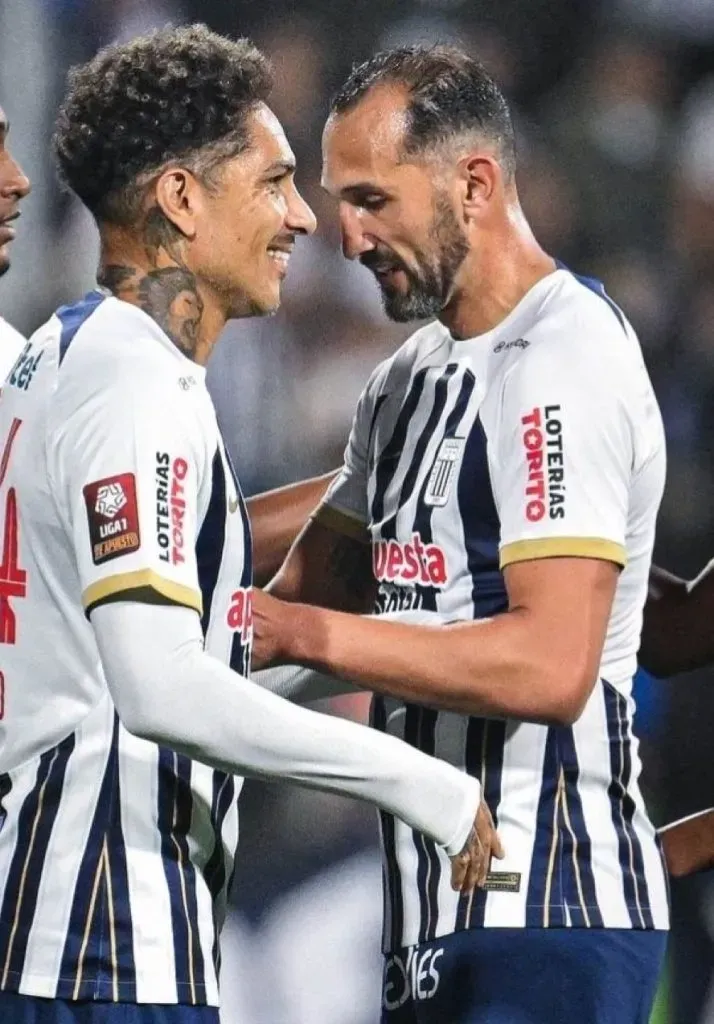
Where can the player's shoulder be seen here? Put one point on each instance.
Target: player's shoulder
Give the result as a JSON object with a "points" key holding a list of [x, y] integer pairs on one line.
{"points": [[11, 345], [573, 326]]}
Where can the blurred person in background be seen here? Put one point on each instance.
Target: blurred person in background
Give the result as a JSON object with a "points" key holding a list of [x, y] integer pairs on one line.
{"points": [[536, 699], [14, 186], [125, 593]]}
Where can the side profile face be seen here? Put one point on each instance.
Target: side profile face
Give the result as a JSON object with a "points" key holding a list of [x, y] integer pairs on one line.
{"points": [[248, 224], [14, 186], [397, 216]]}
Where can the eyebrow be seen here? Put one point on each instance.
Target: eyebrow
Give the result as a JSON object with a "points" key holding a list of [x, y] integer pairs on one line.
{"points": [[286, 166], [362, 188]]}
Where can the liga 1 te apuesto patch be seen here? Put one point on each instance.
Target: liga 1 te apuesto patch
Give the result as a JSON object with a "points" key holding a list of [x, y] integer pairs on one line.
{"points": [[113, 516]]}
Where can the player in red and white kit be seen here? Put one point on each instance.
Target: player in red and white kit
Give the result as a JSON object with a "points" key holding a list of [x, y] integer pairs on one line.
{"points": [[125, 570]]}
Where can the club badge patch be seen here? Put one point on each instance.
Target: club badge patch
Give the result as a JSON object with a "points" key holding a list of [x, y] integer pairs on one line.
{"points": [[113, 517]]}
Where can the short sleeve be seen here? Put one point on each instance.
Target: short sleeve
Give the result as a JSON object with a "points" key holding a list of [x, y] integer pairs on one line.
{"points": [[126, 467], [345, 506], [561, 462]]}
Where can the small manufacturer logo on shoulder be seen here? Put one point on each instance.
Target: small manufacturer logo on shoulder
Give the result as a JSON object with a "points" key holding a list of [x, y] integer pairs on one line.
{"points": [[503, 346], [185, 383]]}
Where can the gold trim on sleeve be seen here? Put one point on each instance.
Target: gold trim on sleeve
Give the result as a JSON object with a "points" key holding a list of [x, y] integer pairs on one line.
{"points": [[563, 547], [342, 522], [115, 587]]}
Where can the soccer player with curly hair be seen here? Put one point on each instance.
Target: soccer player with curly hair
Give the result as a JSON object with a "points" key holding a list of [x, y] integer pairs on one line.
{"points": [[126, 714]]}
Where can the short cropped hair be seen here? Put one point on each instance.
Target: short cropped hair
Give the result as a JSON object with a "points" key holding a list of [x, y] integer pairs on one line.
{"points": [[450, 95], [176, 94]]}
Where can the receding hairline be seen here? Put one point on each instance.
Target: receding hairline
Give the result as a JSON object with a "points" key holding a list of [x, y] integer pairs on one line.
{"points": [[454, 146]]}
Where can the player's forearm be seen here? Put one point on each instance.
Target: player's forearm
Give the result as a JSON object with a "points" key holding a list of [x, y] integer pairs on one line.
{"points": [[500, 667], [168, 690], [677, 633], [276, 519]]}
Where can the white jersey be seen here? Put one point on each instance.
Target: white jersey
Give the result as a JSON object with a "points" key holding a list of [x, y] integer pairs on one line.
{"points": [[540, 438], [115, 853], [11, 345]]}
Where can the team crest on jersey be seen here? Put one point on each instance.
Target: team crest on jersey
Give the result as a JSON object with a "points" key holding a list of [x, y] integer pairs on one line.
{"points": [[113, 517], [444, 471]]}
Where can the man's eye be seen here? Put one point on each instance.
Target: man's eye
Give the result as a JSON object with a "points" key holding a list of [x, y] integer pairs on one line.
{"points": [[373, 203]]}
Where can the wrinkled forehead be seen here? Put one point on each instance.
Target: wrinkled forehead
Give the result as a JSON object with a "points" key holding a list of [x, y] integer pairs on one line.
{"points": [[364, 143]]}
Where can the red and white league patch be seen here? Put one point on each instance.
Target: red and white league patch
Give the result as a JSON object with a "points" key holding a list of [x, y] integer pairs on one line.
{"points": [[113, 516]]}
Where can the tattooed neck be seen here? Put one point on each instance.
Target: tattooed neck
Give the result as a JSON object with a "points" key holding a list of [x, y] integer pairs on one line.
{"points": [[165, 289]]}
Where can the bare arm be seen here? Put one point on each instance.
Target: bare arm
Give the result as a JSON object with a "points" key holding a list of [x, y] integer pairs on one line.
{"points": [[328, 568], [537, 662], [678, 627], [277, 517]]}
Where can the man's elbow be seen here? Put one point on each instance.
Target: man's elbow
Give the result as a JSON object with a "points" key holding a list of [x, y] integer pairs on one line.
{"points": [[565, 694]]}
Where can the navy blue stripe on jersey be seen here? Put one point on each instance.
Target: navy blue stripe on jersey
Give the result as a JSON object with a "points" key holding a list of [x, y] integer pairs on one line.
{"points": [[36, 820], [73, 316], [88, 969], [597, 288], [474, 758], [391, 880], [388, 528], [482, 529], [215, 869], [175, 805], [623, 810], [578, 877], [429, 865], [241, 647], [211, 538], [386, 460], [493, 743], [544, 903], [412, 720], [381, 399]]}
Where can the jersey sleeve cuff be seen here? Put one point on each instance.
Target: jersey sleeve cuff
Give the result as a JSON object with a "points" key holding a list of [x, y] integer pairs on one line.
{"points": [[342, 522], [563, 547], [145, 586]]}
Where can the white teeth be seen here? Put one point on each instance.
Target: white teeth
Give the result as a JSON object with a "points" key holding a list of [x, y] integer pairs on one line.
{"points": [[283, 258]]}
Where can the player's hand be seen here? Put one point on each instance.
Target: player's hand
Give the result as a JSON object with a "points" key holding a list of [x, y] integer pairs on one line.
{"points": [[273, 626], [470, 867]]}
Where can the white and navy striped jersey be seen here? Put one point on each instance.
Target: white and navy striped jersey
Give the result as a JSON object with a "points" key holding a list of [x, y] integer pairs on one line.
{"points": [[540, 438], [11, 343], [115, 853]]}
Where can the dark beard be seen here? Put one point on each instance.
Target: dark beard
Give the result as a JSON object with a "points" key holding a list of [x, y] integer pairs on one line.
{"points": [[429, 285]]}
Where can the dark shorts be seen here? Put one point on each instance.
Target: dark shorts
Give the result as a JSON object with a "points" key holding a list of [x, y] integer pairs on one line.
{"points": [[16, 1009], [526, 976]]}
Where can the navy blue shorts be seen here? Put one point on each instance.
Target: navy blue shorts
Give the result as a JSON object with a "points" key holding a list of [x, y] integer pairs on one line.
{"points": [[16, 1009], [526, 976]]}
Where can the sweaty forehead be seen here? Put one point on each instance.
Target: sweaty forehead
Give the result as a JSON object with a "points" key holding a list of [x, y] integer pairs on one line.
{"points": [[364, 142]]}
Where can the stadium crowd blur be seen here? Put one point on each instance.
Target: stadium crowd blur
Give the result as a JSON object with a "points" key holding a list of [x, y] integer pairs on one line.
{"points": [[614, 103]]}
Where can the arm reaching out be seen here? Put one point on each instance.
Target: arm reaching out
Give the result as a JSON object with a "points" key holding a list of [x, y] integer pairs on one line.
{"points": [[169, 691]]}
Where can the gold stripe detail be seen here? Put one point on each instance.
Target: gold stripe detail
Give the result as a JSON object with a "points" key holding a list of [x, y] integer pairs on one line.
{"points": [[566, 818], [88, 926], [342, 522], [23, 876], [563, 547], [112, 925], [141, 579], [184, 897], [553, 847]]}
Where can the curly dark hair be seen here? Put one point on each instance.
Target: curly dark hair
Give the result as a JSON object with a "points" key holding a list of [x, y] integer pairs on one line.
{"points": [[450, 94], [176, 94]]}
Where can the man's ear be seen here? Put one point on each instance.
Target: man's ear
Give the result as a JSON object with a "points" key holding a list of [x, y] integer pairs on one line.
{"points": [[479, 175], [179, 197]]}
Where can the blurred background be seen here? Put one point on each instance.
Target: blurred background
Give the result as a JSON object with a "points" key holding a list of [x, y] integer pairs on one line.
{"points": [[614, 107]]}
